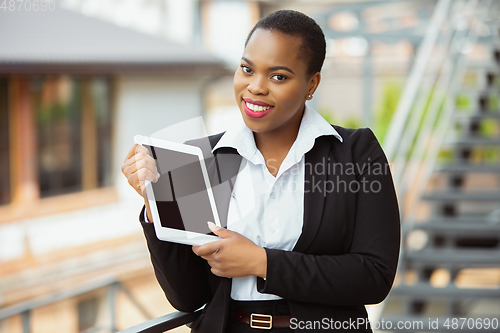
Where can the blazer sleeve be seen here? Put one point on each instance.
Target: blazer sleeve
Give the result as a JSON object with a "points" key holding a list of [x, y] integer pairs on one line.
{"points": [[363, 275], [182, 275]]}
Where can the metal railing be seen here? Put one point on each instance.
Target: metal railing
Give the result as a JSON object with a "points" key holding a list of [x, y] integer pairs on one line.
{"points": [[112, 286], [164, 323], [426, 106]]}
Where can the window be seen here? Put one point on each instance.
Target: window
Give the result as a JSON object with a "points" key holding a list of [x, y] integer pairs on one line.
{"points": [[73, 131], [55, 136], [4, 145], [57, 106]]}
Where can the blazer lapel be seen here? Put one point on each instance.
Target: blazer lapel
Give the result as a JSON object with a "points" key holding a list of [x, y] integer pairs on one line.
{"points": [[314, 198], [222, 171]]}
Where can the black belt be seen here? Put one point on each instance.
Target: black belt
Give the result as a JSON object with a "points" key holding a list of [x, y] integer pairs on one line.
{"points": [[262, 314], [263, 321]]}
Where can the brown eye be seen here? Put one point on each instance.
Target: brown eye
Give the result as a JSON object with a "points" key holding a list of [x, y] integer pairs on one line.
{"points": [[246, 69], [278, 77]]}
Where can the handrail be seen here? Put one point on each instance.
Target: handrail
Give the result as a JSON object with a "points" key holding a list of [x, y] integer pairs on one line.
{"points": [[164, 323], [112, 284], [426, 148], [55, 297], [396, 128], [419, 109]]}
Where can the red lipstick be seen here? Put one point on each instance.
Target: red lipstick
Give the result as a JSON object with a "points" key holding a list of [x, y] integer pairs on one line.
{"points": [[256, 114], [259, 103]]}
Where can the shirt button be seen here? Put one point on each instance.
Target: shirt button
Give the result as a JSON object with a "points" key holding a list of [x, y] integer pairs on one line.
{"points": [[272, 229], [273, 195]]}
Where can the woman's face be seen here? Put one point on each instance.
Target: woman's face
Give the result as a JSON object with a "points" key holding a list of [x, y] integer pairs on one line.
{"points": [[271, 85]]}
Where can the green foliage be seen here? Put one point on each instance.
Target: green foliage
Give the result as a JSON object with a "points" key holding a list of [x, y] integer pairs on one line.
{"points": [[489, 128], [327, 114], [350, 122], [493, 102], [446, 155], [384, 112], [50, 114], [462, 102]]}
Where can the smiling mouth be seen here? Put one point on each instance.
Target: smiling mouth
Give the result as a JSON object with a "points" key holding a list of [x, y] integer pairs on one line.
{"points": [[257, 108]]}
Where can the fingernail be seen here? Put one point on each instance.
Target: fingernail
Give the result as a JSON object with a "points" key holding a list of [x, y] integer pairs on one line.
{"points": [[211, 225]]}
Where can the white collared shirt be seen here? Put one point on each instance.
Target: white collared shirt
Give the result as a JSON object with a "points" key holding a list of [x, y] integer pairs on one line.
{"points": [[266, 209]]}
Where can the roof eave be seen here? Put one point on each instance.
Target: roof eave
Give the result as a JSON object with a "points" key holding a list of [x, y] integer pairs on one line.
{"points": [[116, 68]]}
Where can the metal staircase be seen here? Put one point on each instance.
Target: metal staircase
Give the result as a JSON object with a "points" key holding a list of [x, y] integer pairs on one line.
{"points": [[448, 179]]}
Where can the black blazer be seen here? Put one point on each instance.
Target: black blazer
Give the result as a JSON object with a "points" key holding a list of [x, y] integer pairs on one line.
{"points": [[346, 256]]}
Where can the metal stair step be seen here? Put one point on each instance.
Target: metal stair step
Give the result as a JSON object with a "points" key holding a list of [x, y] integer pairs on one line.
{"points": [[424, 291], [481, 65], [460, 228], [455, 256], [461, 219], [475, 141], [462, 196], [477, 115], [479, 90], [462, 167]]}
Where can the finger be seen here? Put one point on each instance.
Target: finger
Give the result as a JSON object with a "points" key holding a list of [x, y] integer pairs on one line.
{"points": [[141, 149], [141, 156], [207, 249], [145, 163], [136, 179], [131, 152], [218, 272], [142, 173], [134, 165], [210, 257], [221, 232], [142, 176]]}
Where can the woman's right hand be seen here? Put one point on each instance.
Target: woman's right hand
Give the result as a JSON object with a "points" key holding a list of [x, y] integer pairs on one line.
{"points": [[139, 166]]}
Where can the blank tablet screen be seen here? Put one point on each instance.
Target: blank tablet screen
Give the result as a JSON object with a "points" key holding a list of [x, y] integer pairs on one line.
{"points": [[180, 193]]}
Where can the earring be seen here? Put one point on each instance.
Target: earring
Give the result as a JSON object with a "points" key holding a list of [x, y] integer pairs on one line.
{"points": [[309, 96]]}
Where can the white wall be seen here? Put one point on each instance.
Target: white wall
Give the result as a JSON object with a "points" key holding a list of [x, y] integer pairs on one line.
{"points": [[147, 104]]}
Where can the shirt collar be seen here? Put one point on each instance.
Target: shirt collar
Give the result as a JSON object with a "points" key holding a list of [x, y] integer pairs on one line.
{"points": [[312, 126]]}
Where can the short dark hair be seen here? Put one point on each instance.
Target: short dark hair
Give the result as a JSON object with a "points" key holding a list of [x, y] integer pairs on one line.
{"points": [[294, 23]]}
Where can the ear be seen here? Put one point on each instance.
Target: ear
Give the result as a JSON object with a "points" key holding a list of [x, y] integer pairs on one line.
{"points": [[313, 85]]}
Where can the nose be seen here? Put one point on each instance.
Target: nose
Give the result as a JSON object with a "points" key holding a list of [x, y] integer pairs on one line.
{"points": [[258, 85]]}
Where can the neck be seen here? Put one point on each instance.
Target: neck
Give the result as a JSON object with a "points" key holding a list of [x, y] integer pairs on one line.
{"points": [[280, 140]]}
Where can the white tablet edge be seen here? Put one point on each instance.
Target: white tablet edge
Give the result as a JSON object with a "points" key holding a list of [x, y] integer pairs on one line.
{"points": [[170, 234]]}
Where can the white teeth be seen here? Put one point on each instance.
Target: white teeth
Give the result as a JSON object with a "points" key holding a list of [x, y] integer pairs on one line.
{"points": [[257, 108]]}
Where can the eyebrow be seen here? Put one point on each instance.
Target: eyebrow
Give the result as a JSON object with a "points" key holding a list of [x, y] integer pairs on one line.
{"points": [[273, 68]]}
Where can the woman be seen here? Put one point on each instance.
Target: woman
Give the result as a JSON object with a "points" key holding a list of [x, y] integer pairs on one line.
{"points": [[312, 223]]}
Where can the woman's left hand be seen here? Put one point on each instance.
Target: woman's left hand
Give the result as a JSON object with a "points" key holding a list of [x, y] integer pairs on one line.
{"points": [[234, 255]]}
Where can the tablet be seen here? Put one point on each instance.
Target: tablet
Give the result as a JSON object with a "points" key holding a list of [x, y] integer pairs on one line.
{"points": [[181, 201]]}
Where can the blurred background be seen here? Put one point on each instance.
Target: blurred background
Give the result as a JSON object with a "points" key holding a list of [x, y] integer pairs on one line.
{"points": [[80, 78]]}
